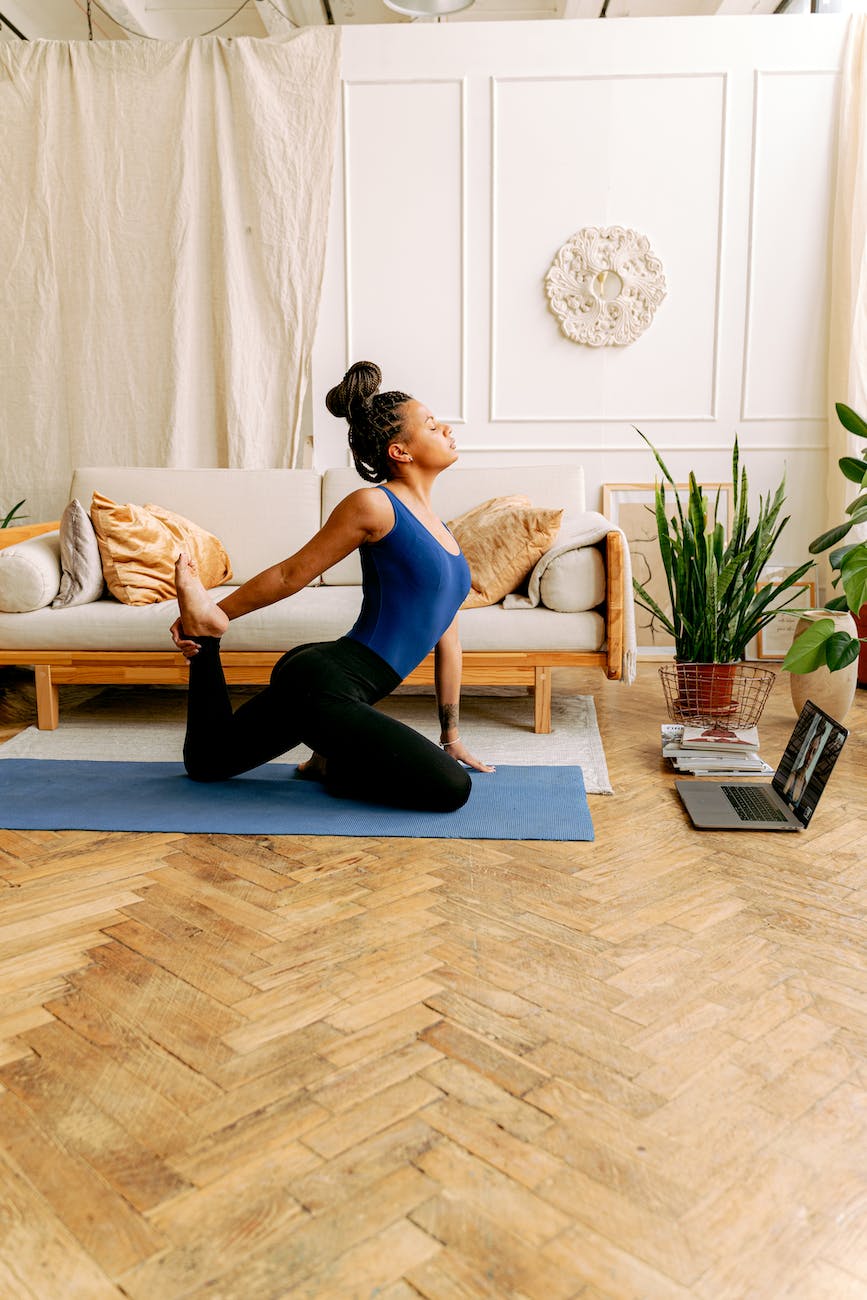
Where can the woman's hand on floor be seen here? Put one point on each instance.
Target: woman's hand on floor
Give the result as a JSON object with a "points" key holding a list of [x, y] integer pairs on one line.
{"points": [[186, 647], [459, 751]]}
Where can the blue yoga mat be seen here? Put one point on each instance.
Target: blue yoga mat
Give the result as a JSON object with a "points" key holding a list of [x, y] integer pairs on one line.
{"points": [[513, 803]]}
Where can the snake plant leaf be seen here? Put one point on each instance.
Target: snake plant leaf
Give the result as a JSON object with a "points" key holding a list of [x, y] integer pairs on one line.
{"points": [[4, 523], [851, 420], [647, 602], [808, 650], [841, 649], [853, 571]]}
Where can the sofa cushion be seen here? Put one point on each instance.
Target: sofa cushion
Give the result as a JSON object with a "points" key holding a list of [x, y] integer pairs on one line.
{"points": [[260, 515], [574, 581], [458, 490], [502, 540], [140, 544], [313, 614], [81, 579], [30, 574]]}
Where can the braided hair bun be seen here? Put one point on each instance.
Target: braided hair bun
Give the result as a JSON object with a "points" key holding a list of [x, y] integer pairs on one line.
{"points": [[375, 418], [356, 388]]}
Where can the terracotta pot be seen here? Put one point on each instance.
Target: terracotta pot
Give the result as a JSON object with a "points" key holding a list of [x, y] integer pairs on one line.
{"points": [[833, 692], [706, 688]]}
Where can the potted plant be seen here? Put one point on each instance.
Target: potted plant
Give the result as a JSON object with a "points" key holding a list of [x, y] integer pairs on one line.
{"points": [[822, 644], [717, 602]]}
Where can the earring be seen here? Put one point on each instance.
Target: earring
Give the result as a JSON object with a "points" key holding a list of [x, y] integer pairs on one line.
{"points": [[409, 458]]}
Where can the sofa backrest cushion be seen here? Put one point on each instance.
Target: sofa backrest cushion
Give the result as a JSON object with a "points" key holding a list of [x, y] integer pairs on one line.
{"points": [[260, 515], [457, 491]]}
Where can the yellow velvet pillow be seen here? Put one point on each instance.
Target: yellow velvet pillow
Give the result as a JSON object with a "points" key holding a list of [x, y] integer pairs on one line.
{"points": [[503, 539], [138, 546]]}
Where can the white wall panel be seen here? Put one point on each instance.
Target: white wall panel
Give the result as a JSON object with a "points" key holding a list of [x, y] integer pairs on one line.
{"points": [[405, 235], [642, 152], [715, 137], [787, 313]]}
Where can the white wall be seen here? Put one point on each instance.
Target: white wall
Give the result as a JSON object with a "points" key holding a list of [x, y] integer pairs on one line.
{"points": [[472, 151]]}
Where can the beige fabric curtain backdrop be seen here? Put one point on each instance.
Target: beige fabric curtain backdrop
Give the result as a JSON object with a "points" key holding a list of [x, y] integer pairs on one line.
{"points": [[847, 358], [162, 244]]}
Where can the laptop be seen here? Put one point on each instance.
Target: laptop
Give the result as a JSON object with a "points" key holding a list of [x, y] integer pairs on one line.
{"points": [[789, 801]]}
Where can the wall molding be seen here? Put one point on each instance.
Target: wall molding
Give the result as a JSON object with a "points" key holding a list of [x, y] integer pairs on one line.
{"points": [[721, 75], [774, 448], [463, 382], [759, 74]]}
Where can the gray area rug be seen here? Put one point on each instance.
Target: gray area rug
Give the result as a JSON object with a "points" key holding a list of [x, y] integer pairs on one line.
{"points": [[147, 725]]}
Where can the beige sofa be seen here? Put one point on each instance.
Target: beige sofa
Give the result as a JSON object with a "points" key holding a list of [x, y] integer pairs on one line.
{"points": [[262, 516]]}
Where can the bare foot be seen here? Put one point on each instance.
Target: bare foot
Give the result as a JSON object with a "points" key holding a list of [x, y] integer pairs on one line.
{"points": [[313, 769], [200, 615]]}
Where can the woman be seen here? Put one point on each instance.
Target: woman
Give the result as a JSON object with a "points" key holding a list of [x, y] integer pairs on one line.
{"points": [[414, 578]]}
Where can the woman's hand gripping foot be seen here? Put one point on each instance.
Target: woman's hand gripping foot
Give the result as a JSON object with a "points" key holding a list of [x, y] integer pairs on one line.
{"points": [[200, 615]]}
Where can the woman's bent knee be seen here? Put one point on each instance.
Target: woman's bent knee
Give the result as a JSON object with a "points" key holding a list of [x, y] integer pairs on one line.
{"points": [[455, 791]]}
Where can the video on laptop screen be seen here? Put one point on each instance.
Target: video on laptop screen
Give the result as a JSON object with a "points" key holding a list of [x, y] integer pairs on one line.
{"points": [[808, 761]]}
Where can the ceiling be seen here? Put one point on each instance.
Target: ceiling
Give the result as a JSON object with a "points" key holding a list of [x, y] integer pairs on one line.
{"points": [[177, 19]]}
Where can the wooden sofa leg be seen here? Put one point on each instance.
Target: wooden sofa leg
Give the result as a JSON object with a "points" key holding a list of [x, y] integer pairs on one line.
{"points": [[542, 700], [47, 700]]}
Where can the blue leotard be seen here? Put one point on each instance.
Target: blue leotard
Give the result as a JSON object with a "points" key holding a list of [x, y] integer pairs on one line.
{"points": [[413, 588]]}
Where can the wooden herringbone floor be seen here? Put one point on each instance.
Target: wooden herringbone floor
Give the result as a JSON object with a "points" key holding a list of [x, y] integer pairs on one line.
{"points": [[300, 1067]]}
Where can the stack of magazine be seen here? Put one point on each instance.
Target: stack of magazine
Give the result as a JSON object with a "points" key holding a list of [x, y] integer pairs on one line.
{"points": [[713, 750]]}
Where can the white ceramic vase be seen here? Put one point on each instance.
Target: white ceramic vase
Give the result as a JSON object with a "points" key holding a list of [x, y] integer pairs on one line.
{"points": [[833, 692]]}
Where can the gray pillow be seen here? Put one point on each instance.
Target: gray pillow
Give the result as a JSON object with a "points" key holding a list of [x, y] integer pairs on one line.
{"points": [[81, 579]]}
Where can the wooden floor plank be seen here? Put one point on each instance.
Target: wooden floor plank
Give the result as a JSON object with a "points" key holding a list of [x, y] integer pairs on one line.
{"points": [[272, 1066]]}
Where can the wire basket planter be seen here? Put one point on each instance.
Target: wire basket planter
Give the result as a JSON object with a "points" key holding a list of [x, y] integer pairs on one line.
{"points": [[734, 694]]}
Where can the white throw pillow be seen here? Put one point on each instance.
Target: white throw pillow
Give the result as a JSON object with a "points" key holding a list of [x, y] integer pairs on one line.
{"points": [[81, 579], [574, 581], [30, 574]]}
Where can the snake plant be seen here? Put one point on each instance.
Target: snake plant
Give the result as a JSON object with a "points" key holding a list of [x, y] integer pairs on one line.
{"points": [[717, 603]]}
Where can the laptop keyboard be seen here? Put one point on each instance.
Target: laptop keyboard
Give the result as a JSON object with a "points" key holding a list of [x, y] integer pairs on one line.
{"points": [[752, 805]]}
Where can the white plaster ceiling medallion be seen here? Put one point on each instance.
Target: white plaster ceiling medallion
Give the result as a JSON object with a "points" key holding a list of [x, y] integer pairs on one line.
{"points": [[604, 285]]}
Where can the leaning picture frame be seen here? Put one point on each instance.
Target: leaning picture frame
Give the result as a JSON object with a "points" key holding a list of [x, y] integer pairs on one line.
{"points": [[775, 638], [630, 506]]}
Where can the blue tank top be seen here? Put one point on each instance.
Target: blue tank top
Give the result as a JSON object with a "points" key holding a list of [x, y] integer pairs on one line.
{"points": [[412, 587]]}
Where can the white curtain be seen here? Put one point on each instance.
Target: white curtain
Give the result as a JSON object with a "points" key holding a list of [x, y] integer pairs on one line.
{"points": [[847, 359], [162, 243]]}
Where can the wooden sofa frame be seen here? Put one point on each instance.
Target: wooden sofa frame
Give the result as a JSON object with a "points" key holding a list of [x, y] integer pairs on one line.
{"points": [[532, 668]]}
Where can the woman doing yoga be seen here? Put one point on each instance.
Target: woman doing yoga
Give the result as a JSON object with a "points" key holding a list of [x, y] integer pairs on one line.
{"points": [[414, 578]]}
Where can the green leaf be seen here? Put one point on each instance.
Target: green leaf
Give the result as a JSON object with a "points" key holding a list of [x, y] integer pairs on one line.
{"points": [[853, 469], [860, 503], [807, 651], [835, 559], [830, 538], [647, 602], [841, 650], [12, 513], [853, 571], [851, 420], [838, 604]]}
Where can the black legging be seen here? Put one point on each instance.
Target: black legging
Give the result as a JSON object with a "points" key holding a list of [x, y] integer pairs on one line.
{"points": [[320, 695]]}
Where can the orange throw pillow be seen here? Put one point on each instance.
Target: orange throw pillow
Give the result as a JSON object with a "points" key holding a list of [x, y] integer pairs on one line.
{"points": [[138, 546], [503, 539]]}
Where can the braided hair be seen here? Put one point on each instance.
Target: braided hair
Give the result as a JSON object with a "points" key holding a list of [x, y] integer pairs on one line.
{"points": [[374, 418]]}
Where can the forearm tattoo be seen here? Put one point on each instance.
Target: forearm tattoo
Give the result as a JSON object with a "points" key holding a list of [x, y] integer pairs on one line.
{"points": [[449, 717]]}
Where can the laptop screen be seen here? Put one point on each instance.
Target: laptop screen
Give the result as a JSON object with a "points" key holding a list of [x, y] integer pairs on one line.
{"points": [[813, 749]]}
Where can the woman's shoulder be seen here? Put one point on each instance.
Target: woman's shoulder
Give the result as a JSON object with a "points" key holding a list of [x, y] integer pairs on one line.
{"points": [[370, 507]]}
